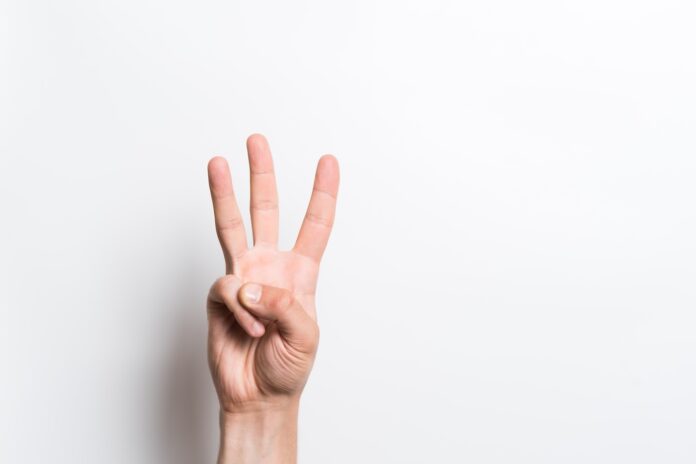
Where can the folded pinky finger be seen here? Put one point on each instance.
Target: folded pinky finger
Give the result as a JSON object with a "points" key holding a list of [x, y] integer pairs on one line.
{"points": [[224, 291]]}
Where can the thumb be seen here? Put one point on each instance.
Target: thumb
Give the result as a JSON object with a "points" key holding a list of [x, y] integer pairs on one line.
{"points": [[279, 305]]}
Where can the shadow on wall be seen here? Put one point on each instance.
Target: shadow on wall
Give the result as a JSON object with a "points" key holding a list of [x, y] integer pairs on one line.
{"points": [[186, 402]]}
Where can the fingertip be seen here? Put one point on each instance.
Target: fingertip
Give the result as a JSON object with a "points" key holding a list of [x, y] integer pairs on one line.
{"points": [[328, 175], [257, 329], [256, 138], [251, 325], [216, 163], [259, 154], [329, 158], [218, 171]]}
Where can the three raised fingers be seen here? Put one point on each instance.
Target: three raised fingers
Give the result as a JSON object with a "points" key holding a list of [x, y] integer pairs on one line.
{"points": [[318, 221]]}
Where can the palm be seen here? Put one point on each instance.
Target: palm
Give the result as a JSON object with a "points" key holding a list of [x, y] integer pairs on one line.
{"points": [[247, 369], [240, 358]]}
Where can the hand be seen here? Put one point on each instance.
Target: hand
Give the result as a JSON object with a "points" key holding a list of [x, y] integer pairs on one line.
{"points": [[263, 333]]}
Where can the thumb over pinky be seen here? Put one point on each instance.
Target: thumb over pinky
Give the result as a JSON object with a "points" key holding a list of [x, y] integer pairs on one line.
{"points": [[279, 305]]}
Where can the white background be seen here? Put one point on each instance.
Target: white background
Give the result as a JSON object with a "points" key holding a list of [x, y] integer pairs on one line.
{"points": [[511, 275]]}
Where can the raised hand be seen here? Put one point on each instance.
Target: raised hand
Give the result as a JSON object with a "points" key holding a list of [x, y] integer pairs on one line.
{"points": [[263, 333]]}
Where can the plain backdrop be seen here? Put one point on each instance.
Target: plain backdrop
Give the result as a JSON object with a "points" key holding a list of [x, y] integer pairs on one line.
{"points": [[511, 277]]}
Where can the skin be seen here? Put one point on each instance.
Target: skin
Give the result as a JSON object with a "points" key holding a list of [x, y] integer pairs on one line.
{"points": [[263, 335]]}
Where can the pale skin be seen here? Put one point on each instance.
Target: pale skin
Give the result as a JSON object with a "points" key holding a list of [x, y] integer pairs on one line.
{"points": [[262, 330]]}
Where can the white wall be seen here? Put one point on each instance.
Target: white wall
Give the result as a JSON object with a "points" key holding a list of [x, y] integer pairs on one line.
{"points": [[511, 276]]}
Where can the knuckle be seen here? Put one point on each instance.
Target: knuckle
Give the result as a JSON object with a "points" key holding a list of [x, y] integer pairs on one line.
{"points": [[230, 223], [264, 204], [319, 220], [319, 191], [222, 284], [283, 301]]}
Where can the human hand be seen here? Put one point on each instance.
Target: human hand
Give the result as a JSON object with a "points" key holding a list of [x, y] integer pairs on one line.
{"points": [[263, 334]]}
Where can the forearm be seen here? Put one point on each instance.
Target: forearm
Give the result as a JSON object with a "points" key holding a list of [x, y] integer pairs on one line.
{"points": [[259, 437]]}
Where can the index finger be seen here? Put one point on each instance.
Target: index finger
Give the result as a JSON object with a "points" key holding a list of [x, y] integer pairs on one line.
{"points": [[228, 220]]}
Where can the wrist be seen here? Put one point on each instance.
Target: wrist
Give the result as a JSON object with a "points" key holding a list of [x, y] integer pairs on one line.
{"points": [[261, 434]]}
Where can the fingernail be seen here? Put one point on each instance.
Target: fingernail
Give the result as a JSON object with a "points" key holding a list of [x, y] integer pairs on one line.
{"points": [[252, 292]]}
